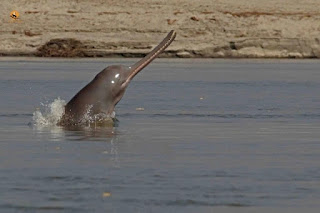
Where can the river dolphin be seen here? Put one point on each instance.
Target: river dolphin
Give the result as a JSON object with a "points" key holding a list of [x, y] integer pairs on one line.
{"points": [[95, 103]]}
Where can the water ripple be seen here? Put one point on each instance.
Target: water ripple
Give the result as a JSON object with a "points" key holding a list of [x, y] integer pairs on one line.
{"points": [[221, 115], [184, 202], [12, 115]]}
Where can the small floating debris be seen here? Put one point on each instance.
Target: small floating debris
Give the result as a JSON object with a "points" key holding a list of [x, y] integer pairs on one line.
{"points": [[106, 194], [140, 109], [201, 98]]}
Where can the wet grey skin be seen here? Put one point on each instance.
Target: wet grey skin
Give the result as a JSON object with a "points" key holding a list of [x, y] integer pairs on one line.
{"points": [[95, 103]]}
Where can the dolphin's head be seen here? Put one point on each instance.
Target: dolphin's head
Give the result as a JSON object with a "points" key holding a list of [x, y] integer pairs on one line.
{"points": [[116, 78]]}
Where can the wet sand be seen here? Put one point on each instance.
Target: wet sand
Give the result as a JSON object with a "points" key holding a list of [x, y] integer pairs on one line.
{"points": [[205, 28]]}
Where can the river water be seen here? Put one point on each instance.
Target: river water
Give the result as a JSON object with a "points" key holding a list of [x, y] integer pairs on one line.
{"points": [[193, 136]]}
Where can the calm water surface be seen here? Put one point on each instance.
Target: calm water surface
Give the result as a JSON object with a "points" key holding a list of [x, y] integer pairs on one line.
{"points": [[228, 135]]}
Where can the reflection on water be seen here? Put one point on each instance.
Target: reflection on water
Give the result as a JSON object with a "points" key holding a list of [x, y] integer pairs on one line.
{"points": [[214, 135], [78, 133]]}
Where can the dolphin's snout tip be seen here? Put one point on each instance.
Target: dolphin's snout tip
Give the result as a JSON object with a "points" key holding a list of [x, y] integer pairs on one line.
{"points": [[137, 67], [172, 34]]}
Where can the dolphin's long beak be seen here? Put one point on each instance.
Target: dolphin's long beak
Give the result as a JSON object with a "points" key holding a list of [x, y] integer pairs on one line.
{"points": [[137, 67]]}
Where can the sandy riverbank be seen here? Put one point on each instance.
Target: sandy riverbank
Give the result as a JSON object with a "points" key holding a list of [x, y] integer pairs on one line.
{"points": [[205, 28]]}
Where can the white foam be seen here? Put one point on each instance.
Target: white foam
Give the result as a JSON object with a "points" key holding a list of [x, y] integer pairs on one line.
{"points": [[50, 114]]}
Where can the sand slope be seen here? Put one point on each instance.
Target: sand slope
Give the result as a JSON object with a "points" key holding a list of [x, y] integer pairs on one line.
{"points": [[205, 28]]}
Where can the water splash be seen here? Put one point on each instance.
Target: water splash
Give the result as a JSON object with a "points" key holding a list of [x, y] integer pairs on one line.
{"points": [[50, 114]]}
